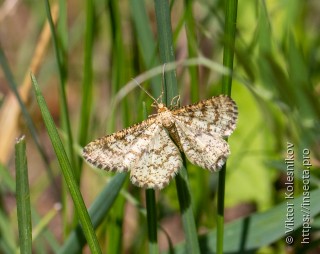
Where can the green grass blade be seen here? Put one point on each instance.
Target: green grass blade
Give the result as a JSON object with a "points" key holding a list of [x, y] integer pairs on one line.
{"points": [[7, 234], [98, 211], [119, 70], [62, 27], [115, 225], [192, 49], [23, 197], [228, 55], [50, 240], [146, 41], [189, 24], [45, 220], [119, 61], [152, 221], [166, 48], [67, 172], [188, 220], [151, 212], [62, 32], [229, 40], [246, 235], [87, 78], [62, 67], [171, 90]]}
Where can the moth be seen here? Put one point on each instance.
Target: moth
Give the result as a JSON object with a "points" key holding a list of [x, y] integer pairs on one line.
{"points": [[151, 150]]}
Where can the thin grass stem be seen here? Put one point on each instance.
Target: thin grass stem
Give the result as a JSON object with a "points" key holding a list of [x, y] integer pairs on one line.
{"points": [[67, 171], [151, 212], [166, 48], [192, 50], [163, 19], [62, 67], [152, 221], [87, 87], [23, 197], [119, 73], [146, 41], [228, 56], [98, 212]]}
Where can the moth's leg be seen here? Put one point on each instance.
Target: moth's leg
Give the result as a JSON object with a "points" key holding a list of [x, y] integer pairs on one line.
{"points": [[175, 102], [159, 99]]}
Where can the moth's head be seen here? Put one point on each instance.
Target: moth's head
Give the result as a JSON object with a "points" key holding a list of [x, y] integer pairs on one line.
{"points": [[161, 107]]}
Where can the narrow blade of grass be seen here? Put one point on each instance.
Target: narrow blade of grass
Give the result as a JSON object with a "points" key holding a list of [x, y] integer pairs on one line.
{"points": [[146, 41], [246, 235], [119, 61], [162, 9], [228, 55], [151, 212], [119, 72], [97, 212], [62, 34], [192, 49], [87, 78], [115, 225], [166, 48], [188, 220], [8, 236], [62, 67], [46, 234], [152, 221], [45, 220], [23, 197], [229, 40], [67, 171]]}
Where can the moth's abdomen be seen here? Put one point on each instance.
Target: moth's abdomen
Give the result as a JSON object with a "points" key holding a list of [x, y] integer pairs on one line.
{"points": [[168, 123]]}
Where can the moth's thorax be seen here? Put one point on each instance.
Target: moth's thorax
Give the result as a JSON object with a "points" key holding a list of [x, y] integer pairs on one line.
{"points": [[165, 116]]}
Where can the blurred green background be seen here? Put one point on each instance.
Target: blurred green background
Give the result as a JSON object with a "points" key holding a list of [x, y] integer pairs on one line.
{"points": [[101, 46]]}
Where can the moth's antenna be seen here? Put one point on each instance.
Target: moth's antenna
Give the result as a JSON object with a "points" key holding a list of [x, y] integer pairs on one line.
{"points": [[163, 77], [146, 91]]}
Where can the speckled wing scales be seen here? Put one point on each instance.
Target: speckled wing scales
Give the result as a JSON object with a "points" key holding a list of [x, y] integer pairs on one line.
{"points": [[159, 163], [145, 149], [204, 149], [216, 115], [118, 151], [201, 127]]}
